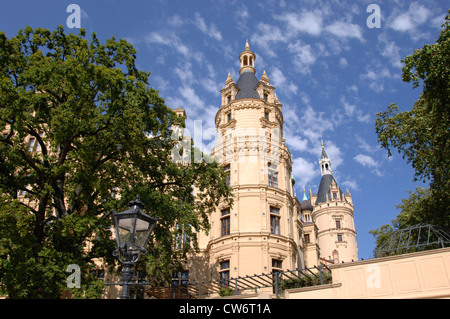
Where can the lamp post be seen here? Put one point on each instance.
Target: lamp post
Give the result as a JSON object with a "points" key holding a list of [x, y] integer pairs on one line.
{"points": [[132, 229]]}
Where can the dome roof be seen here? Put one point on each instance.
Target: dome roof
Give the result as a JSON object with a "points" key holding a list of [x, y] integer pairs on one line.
{"points": [[247, 83], [306, 205]]}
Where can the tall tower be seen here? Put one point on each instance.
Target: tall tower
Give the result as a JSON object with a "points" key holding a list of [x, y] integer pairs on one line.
{"points": [[333, 215], [260, 232]]}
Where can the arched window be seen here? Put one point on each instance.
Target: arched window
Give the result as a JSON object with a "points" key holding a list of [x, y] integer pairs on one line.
{"points": [[245, 60], [251, 61]]}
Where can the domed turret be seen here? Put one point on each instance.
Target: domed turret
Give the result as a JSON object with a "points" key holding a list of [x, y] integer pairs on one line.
{"points": [[306, 204]]}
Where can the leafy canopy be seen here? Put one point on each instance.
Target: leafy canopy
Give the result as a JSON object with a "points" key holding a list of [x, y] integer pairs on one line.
{"points": [[83, 134], [422, 135]]}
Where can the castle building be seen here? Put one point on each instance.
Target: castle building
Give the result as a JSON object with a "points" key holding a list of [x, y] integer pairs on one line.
{"points": [[267, 228]]}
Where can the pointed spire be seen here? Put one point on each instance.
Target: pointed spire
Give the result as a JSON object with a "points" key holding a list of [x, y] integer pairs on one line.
{"points": [[324, 154], [264, 78], [247, 47], [324, 162], [304, 194], [229, 79]]}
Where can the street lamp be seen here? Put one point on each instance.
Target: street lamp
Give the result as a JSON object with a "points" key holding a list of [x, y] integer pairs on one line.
{"points": [[132, 229]]}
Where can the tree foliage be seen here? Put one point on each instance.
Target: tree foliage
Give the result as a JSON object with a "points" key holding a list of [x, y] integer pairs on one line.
{"points": [[422, 135], [100, 135]]}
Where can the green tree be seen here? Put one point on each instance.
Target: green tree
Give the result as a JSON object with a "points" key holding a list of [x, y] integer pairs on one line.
{"points": [[413, 211], [422, 135], [82, 128]]}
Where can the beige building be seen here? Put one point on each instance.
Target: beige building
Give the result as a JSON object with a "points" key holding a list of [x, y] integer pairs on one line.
{"points": [[268, 228]]}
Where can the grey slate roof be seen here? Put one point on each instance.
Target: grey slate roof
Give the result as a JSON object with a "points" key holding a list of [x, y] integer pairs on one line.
{"points": [[324, 154], [246, 84], [324, 189]]}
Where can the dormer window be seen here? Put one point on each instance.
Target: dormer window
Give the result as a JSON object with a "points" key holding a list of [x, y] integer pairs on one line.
{"points": [[229, 117], [265, 96], [266, 115]]}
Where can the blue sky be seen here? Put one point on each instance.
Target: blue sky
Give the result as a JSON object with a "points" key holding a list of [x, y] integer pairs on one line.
{"points": [[332, 73]]}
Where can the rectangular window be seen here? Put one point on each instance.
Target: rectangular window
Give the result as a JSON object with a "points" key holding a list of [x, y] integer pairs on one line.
{"points": [[276, 263], [307, 239], [224, 272], [274, 210], [338, 224], [272, 176], [180, 278], [339, 237], [227, 170], [275, 220], [225, 222], [229, 117], [266, 115], [182, 238]]}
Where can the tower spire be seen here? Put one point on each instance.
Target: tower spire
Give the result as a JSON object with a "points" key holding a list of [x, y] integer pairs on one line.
{"points": [[325, 161], [247, 47]]}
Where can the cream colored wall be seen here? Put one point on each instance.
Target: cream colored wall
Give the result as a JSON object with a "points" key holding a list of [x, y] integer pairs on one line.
{"points": [[416, 275], [325, 216]]}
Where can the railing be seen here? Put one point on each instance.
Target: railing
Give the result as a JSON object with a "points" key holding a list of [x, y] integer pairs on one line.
{"points": [[277, 280]]}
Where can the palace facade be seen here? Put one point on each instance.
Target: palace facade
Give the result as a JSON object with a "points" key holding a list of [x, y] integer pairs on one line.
{"points": [[268, 228]]}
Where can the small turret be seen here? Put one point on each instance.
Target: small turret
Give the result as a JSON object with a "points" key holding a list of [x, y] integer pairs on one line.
{"points": [[247, 58]]}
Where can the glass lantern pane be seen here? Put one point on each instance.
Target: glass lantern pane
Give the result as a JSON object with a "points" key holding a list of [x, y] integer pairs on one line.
{"points": [[142, 229], [142, 225], [125, 227]]}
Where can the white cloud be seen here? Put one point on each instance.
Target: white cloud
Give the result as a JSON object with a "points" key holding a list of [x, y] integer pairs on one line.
{"points": [[169, 39], [366, 160], [376, 74], [369, 162], [351, 184], [191, 98], [184, 72], [416, 15], [304, 56], [348, 108], [266, 36], [304, 171], [295, 142], [211, 85], [343, 29], [352, 89], [305, 22], [362, 144], [210, 30], [241, 17], [280, 82], [352, 110], [176, 21], [392, 52]]}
